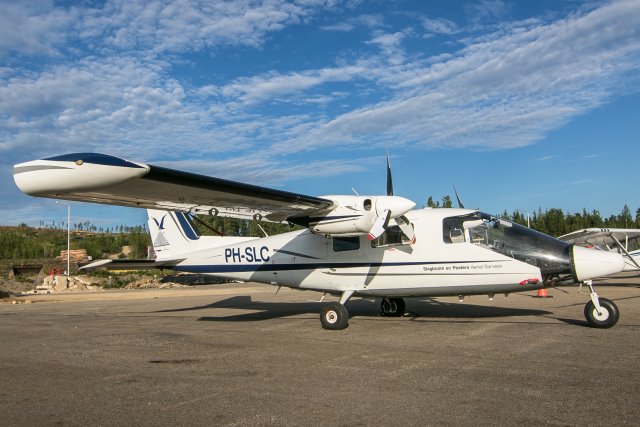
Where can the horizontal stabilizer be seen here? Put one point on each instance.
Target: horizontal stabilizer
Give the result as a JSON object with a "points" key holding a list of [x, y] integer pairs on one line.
{"points": [[128, 264]]}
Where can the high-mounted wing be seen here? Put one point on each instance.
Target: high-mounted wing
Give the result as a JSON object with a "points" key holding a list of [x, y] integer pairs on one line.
{"points": [[600, 237], [100, 178]]}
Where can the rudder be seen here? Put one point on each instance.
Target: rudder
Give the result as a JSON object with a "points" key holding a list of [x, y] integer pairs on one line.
{"points": [[171, 233]]}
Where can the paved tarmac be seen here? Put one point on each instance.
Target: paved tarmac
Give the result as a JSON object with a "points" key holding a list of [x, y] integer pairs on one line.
{"points": [[240, 355]]}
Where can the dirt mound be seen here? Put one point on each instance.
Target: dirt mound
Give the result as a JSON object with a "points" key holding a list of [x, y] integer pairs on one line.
{"points": [[152, 283]]}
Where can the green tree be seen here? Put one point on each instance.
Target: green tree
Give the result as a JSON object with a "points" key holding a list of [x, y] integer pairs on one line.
{"points": [[624, 219], [446, 201]]}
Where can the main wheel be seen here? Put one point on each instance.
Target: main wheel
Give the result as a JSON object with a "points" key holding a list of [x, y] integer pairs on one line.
{"points": [[334, 316], [608, 316], [393, 307]]}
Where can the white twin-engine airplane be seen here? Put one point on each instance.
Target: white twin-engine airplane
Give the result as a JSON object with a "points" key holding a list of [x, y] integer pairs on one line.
{"points": [[366, 246]]}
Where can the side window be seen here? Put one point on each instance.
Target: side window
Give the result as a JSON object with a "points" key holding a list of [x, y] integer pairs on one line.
{"points": [[452, 230], [341, 244], [393, 236]]}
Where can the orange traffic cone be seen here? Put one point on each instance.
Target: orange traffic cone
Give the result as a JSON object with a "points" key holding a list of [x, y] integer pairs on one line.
{"points": [[543, 293]]}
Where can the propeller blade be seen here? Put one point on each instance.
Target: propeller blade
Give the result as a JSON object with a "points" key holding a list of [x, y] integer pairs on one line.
{"points": [[460, 205], [380, 225], [407, 229], [389, 179]]}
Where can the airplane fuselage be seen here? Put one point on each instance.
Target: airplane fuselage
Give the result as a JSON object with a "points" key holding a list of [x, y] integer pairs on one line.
{"points": [[429, 267]]}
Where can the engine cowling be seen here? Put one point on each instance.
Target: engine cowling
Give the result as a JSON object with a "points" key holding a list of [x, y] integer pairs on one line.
{"points": [[356, 215]]}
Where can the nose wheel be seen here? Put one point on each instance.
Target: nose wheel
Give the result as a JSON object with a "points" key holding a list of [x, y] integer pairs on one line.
{"points": [[335, 316], [600, 312]]}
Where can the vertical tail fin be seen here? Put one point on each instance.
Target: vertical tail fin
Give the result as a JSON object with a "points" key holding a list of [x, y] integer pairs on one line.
{"points": [[172, 233]]}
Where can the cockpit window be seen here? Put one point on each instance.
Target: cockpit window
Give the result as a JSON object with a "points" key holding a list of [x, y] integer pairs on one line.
{"points": [[524, 244], [452, 231]]}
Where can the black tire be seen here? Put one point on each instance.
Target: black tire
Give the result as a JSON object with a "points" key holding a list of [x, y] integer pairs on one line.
{"points": [[393, 307], [334, 316], [607, 318]]}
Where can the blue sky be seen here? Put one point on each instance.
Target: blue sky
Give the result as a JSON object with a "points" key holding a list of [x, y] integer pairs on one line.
{"points": [[520, 105]]}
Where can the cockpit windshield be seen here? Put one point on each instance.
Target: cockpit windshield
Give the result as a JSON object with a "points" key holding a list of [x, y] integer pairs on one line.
{"points": [[549, 254]]}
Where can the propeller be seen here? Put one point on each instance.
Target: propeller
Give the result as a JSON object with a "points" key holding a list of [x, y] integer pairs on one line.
{"points": [[406, 227], [380, 225], [392, 207], [460, 205], [389, 178]]}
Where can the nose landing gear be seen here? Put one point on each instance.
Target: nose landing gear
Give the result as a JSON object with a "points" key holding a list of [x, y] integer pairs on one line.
{"points": [[600, 312], [335, 316]]}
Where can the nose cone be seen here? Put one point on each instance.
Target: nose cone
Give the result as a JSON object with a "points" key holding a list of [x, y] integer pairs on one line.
{"points": [[591, 263]]}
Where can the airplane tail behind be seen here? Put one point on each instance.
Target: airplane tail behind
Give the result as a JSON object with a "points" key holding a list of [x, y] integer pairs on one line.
{"points": [[172, 233]]}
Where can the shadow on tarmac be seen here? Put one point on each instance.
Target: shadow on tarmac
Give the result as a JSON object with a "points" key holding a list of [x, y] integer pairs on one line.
{"points": [[575, 322], [416, 308]]}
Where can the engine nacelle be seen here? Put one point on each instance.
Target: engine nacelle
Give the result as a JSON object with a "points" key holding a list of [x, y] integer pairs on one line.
{"points": [[355, 215]]}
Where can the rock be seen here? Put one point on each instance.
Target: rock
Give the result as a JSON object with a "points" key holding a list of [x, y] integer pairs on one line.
{"points": [[62, 282]]}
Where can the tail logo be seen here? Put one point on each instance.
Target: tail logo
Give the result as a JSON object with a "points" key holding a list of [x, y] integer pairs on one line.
{"points": [[160, 239], [160, 223]]}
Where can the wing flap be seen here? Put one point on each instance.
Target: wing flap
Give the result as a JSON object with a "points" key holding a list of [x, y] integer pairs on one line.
{"points": [[100, 178]]}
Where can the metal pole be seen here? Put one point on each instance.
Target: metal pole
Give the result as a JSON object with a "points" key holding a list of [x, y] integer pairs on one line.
{"points": [[68, 239]]}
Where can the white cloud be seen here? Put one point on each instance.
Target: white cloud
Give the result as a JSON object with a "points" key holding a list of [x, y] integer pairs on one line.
{"points": [[390, 45], [503, 93], [118, 102], [158, 26], [545, 158], [260, 168], [371, 21], [33, 27], [501, 90], [440, 26], [257, 89], [487, 10]]}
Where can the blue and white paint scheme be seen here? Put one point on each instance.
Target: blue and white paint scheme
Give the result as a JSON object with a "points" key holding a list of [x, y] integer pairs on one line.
{"points": [[367, 246]]}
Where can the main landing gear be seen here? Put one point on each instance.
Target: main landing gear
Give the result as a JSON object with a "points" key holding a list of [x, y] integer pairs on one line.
{"points": [[392, 307], [600, 312], [335, 316]]}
